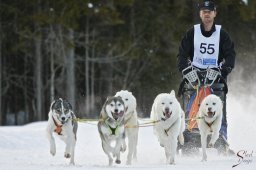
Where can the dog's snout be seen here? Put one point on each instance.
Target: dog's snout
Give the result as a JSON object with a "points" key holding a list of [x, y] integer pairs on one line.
{"points": [[167, 110], [63, 118], [116, 110], [209, 109]]}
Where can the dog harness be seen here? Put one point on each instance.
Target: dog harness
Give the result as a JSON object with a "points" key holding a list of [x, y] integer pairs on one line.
{"points": [[209, 125], [58, 127], [167, 130], [113, 131]]}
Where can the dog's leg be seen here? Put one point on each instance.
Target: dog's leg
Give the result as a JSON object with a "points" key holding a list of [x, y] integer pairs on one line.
{"points": [[107, 152], [203, 143], [123, 146], [173, 149], [72, 162], [216, 128], [167, 148], [135, 144], [181, 138], [214, 137], [69, 143], [182, 128], [132, 145], [110, 159], [118, 161], [52, 141], [167, 151], [131, 138], [117, 150]]}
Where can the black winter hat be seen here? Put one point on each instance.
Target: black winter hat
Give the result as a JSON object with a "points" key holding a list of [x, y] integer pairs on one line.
{"points": [[209, 5]]}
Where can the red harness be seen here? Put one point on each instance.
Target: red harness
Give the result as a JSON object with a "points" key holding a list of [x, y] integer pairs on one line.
{"points": [[58, 127]]}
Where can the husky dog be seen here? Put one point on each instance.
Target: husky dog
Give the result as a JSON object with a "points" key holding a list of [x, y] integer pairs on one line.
{"points": [[111, 128], [211, 112], [167, 112], [61, 121], [131, 124]]}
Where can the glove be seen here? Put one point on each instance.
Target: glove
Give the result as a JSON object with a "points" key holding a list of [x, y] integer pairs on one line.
{"points": [[225, 70]]}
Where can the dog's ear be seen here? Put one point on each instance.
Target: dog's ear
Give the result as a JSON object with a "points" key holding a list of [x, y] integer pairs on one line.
{"points": [[52, 104], [108, 98], [172, 93], [104, 108], [68, 104], [153, 113], [120, 98], [103, 112]]}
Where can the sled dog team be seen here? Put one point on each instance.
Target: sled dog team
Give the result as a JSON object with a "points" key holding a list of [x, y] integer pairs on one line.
{"points": [[118, 120]]}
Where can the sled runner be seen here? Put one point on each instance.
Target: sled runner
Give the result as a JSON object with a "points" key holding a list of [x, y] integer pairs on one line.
{"points": [[195, 86]]}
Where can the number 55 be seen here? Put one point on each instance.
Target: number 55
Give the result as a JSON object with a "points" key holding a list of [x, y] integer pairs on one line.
{"points": [[209, 49]]}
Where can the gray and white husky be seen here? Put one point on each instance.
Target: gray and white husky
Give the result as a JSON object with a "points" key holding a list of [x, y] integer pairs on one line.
{"points": [[61, 121], [111, 128]]}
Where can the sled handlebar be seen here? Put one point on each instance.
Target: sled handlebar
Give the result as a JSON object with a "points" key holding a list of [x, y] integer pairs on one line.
{"points": [[201, 77]]}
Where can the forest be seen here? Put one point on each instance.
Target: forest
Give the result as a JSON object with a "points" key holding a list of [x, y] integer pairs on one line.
{"points": [[86, 50]]}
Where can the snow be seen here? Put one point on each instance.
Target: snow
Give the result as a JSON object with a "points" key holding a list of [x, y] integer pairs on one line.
{"points": [[27, 148]]}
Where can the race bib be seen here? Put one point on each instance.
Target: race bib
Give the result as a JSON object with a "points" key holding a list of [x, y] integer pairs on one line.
{"points": [[206, 49]]}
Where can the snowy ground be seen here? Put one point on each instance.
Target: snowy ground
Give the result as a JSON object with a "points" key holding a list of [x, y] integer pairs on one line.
{"points": [[26, 147]]}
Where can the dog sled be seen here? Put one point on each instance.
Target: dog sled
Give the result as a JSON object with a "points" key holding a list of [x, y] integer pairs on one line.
{"points": [[196, 85]]}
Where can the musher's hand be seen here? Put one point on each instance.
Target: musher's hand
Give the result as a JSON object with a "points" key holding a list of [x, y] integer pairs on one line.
{"points": [[225, 70]]}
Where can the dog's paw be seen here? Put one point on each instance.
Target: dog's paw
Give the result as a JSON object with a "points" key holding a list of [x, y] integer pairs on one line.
{"points": [[53, 152], [72, 163], [67, 155], [118, 161], [172, 162], [210, 145], [128, 162], [204, 159]]}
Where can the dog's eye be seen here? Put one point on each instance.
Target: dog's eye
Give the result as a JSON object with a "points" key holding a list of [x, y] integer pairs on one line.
{"points": [[119, 104], [66, 111], [170, 102], [163, 103], [58, 110], [111, 105], [214, 103], [206, 104], [126, 99]]}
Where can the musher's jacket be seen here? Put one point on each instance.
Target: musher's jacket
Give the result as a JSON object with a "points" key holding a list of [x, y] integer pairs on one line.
{"points": [[226, 49]]}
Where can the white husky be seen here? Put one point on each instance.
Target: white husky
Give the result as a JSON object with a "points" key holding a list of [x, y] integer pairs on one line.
{"points": [[61, 121], [211, 111], [131, 123], [171, 123]]}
